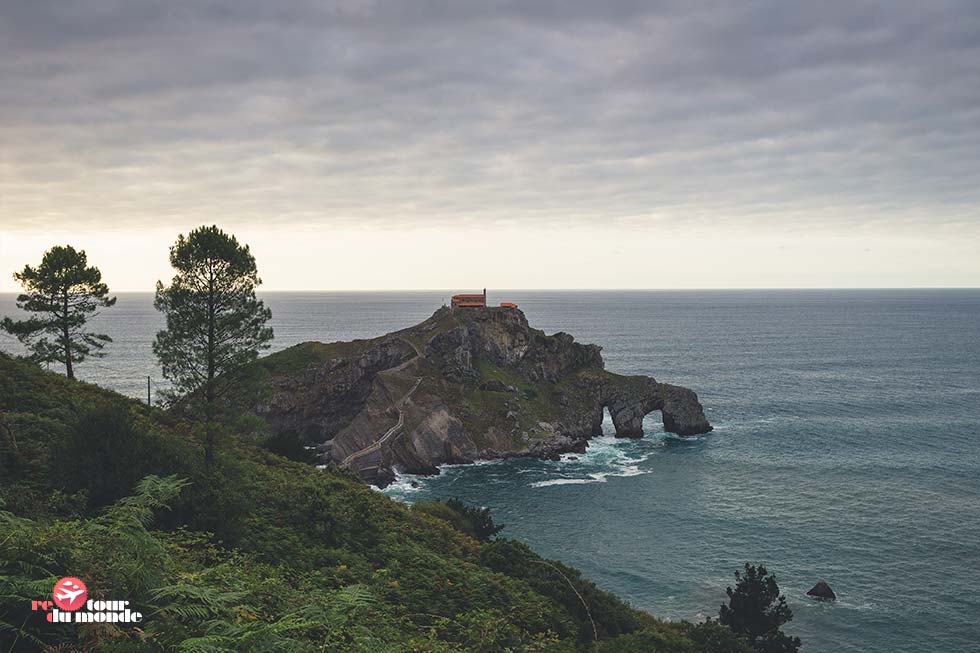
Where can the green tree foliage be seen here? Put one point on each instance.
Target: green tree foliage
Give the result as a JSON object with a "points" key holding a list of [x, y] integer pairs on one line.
{"points": [[215, 324], [757, 610], [598, 614], [713, 637], [290, 445], [648, 641], [106, 451], [707, 637], [475, 522], [63, 292]]}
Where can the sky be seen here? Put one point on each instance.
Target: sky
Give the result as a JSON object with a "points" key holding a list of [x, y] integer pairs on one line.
{"points": [[510, 144]]}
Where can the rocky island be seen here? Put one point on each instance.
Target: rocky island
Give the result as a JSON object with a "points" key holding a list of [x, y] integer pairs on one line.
{"points": [[465, 384]]}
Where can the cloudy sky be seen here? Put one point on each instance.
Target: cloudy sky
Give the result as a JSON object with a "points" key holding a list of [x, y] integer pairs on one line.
{"points": [[517, 144]]}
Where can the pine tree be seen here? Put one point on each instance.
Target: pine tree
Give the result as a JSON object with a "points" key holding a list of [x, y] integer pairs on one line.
{"points": [[756, 609], [64, 292], [215, 324]]}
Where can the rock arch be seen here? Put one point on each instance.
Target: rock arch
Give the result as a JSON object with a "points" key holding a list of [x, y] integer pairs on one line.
{"points": [[680, 409]]}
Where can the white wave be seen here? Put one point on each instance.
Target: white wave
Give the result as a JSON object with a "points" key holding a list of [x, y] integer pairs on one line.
{"points": [[566, 481], [614, 457], [606, 456], [479, 462], [403, 486], [682, 438]]}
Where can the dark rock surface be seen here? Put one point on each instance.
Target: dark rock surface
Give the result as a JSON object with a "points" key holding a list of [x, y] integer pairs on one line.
{"points": [[822, 591], [314, 402], [494, 385], [461, 386]]}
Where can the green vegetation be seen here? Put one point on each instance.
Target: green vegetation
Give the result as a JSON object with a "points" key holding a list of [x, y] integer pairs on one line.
{"points": [[64, 292], [215, 324], [307, 354], [701, 638], [756, 610], [260, 553], [475, 522], [533, 401], [488, 371]]}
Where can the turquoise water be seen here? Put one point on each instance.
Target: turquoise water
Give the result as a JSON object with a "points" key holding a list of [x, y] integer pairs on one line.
{"points": [[846, 448]]}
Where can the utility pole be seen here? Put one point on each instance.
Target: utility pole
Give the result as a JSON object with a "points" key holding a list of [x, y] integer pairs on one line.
{"points": [[147, 390]]}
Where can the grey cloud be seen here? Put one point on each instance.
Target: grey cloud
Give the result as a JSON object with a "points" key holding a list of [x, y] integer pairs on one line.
{"points": [[439, 112]]}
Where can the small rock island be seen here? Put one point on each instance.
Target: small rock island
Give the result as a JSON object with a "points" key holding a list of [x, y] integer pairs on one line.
{"points": [[471, 382], [822, 591]]}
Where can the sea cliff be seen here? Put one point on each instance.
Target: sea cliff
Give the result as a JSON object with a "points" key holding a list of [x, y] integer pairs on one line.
{"points": [[468, 384]]}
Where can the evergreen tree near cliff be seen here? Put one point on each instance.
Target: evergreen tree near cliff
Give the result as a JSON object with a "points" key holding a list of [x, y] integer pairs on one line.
{"points": [[756, 609], [215, 324], [63, 292]]}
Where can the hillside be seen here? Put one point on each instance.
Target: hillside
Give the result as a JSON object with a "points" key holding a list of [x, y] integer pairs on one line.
{"points": [[475, 383], [260, 553]]}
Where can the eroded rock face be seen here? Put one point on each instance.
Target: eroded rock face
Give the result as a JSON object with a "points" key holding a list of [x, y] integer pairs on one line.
{"points": [[466, 385], [316, 401], [681, 410]]}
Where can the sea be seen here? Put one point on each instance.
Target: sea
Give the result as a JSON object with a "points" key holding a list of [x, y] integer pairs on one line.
{"points": [[846, 448]]}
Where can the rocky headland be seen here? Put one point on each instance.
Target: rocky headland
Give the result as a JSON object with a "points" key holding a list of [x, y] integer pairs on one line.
{"points": [[474, 383]]}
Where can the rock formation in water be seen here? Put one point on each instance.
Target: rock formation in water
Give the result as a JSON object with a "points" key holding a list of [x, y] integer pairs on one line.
{"points": [[822, 591], [468, 384]]}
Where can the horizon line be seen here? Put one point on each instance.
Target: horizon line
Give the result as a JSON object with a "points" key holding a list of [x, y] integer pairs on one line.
{"points": [[695, 289]]}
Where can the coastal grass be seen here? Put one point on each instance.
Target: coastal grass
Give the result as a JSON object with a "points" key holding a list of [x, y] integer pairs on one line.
{"points": [[307, 354]]}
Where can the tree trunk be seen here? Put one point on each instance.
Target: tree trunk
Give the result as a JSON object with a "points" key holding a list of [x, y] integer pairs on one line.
{"points": [[66, 339], [9, 431], [209, 391], [208, 435]]}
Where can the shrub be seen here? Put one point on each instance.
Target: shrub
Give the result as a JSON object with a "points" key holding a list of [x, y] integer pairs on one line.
{"points": [[475, 522], [712, 637], [106, 453]]}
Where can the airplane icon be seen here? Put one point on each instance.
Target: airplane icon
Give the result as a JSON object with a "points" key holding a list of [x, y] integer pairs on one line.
{"points": [[65, 593]]}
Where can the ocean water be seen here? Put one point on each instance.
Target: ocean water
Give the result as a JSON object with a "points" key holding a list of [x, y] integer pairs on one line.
{"points": [[846, 448]]}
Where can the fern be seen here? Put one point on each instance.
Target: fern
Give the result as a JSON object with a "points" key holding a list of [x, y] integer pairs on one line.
{"points": [[187, 602], [18, 633], [23, 578], [152, 493], [15, 589], [255, 637], [208, 607], [340, 607]]}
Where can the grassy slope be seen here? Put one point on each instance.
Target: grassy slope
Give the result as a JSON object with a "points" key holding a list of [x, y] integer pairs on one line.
{"points": [[299, 357], [259, 552]]}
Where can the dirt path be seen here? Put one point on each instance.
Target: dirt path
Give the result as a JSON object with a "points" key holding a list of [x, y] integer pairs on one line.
{"points": [[390, 433]]}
